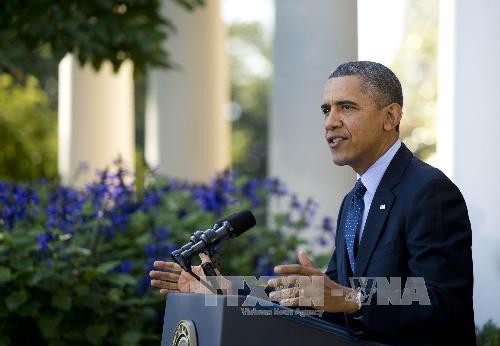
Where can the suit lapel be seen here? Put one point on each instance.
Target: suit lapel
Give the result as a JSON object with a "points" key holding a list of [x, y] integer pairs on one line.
{"points": [[380, 208]]}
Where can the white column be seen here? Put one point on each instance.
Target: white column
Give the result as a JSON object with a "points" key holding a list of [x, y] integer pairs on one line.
{"points": [[311, 39], [187, 128], [96, 119], [468, 132]]}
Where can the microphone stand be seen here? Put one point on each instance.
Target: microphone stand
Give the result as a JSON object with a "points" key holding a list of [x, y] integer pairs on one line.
{"points": [[209, 271]]}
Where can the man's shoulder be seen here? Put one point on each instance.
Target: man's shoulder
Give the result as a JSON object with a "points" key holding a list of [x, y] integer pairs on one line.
{"points": [[424, 171], [419, 175]]}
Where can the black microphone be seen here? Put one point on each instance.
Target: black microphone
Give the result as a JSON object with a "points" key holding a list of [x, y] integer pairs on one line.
{"points": [[211, 240]]}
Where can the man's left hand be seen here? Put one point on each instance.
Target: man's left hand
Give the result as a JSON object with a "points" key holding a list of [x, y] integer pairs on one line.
{"points": [[304, 279]]}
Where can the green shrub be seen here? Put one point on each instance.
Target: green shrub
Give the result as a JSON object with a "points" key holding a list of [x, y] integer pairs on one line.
{"points": [[28, 127], [488, 334], [74, 262]]}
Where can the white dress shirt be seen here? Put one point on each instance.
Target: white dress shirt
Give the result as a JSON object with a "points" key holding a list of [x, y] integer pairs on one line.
{"points": [[372, 177]]}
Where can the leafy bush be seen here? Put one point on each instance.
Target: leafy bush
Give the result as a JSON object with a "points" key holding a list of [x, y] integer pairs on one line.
{"points": [[74, 262], [488, 334], [28, 125]]}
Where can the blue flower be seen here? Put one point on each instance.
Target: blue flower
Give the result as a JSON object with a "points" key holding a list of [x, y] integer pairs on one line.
{"points": [[211, 200], [181, 214], [125, 267], [9, 217], [322, 241], [327, 224], [109, 232], [295, 204], [151, 199], [64, 210], [144, 284], [43, 241], [119, 220], [264, 265], [275, 186], [151, 250], [250, 191], [310, 208], [165, 250], [161, 233]]}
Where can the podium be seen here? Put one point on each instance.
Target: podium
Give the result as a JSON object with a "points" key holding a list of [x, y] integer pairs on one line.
{"points": [[220, 320]]}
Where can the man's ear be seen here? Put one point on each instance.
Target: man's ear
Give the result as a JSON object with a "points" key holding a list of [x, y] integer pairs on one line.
{"points": [[392, 116]]}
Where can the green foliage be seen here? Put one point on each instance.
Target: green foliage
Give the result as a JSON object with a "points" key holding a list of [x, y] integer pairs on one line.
{"points": [[28, 125], [250, 96], [74, 263], [416, 66], [488, 334], [35, 35]]}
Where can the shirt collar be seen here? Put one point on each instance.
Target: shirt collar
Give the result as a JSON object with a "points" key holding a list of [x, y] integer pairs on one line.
{"points": [[373, 175]]}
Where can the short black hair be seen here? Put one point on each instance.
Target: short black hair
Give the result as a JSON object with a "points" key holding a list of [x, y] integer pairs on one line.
{"points": [[377, 80]]}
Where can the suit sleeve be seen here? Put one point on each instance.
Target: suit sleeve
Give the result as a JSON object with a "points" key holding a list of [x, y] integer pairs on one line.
{"points": [[438, 241], [331, 270]]}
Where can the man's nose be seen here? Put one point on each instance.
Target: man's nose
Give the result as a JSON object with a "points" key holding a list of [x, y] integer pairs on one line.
{"points": [[332, 121]]}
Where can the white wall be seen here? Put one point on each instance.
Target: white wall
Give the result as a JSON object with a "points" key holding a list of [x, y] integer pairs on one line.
{"points": [[468, 132]]}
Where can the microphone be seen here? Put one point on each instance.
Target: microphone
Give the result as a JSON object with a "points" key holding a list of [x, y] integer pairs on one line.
{"points": [[210, 240]]}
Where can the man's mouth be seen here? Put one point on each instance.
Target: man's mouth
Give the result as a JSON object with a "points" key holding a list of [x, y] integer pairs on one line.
{"points": [[334, 141]]}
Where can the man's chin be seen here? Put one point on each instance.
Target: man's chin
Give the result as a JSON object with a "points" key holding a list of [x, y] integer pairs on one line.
{"points": [[338, 161]]}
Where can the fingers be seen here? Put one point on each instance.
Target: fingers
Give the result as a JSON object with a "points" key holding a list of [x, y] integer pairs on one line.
{"points": [[297, 296], [305, 260], [164, 285], [164, 276], [288, 296], [290, 302], [287, 293], [167, 280], [296, 269], [198, 270], [204, 258], [295, 280], [172, 266]]}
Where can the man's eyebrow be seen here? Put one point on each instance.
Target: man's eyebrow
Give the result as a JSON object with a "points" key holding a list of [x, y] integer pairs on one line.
{"points": [[339, 103], [345, 102]]}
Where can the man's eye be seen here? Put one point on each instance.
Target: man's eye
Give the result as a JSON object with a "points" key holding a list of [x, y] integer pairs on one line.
{"points": [[325, 110], [346, 107]]}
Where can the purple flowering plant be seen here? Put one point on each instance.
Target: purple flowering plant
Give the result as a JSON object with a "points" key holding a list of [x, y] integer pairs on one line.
{"points": [[74, 261]]}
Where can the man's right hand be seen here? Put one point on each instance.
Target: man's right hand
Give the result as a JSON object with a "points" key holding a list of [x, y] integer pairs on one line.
{"points": [[172, 278]]}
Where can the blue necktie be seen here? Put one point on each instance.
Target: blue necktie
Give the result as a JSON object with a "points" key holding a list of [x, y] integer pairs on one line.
{"points": [[354, 220]]}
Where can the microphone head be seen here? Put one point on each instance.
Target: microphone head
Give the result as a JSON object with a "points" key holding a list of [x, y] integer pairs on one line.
{"points": [[241, 222]]}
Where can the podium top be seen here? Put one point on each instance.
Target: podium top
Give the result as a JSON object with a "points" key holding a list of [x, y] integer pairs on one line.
{"points": [[247, 320]]}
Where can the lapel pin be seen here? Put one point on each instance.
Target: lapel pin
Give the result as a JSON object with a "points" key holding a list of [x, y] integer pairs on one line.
{"points": [[382, 206]]}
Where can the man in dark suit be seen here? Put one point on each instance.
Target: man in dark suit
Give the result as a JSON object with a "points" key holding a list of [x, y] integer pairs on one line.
{"points": [[403, 219]]}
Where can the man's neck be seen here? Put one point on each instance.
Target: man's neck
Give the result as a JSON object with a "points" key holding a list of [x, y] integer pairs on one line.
{"points": [[383, 149]]}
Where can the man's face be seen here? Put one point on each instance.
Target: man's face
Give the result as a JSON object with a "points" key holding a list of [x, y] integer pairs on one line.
{"points": [[354, 124]]}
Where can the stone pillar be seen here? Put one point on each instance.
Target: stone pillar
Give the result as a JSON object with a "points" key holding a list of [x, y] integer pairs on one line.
{"points": [[468, 132], [187, 127], [311, 39], [96, 119]]}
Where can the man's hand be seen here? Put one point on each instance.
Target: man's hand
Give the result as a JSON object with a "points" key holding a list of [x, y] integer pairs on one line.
{"points": [[172, 278], [303, 276]]}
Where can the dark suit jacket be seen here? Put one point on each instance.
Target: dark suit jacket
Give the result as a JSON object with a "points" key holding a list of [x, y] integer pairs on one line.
{"points": [[423, 231]]}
